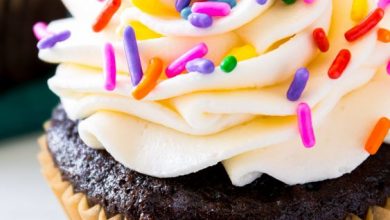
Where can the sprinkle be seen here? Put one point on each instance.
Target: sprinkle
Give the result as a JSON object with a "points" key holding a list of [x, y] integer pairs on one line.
{"points": [[243, 53], [261, 2], [132, 55], [181, 4], [185, 12], [149, 82], [383, 3], [200, 20], [364, 27], [232, 3], [384, 35], [105, 16], [339, 64], [201, 65], [142, 32], [359, 10], [308, 1], [178, 66], [154, 7], [228, 64], [388, 67], [321, 39], [298, 84], [289, 2], [211, 8], [377, 136], [52, 40], [305, 125], [40, 30], [109, 67]]}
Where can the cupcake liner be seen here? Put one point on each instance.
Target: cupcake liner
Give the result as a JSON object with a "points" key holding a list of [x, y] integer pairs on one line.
{"points": [[74, 204], [77, 208]]}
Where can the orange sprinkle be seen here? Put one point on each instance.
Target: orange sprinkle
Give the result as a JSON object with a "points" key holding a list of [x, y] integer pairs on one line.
{"points": [[105, 16], [149, 81], [377, 136], [384, 35]]}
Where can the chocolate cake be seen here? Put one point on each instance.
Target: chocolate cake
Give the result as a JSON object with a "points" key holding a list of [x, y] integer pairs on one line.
{"points": [[209, 193]]}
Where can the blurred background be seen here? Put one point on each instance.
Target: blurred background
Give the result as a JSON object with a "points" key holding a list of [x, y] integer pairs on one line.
{"points": [[25, 103]]}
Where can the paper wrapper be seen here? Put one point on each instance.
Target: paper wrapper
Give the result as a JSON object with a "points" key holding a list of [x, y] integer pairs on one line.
{"points": [[75, 205], [77, 208]]}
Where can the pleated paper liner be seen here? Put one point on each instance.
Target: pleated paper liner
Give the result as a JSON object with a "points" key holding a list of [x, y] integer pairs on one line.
{"points": [[75, 205], [77, 208]]}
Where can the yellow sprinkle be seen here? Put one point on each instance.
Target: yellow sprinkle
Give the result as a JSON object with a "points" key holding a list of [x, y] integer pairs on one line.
{"points": [[154, 7], [243, 53], [277, 44], [359, 10], [142, 32]]}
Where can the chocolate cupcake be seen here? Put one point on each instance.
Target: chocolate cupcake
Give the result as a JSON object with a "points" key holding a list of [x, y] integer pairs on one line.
{"points": [[208, 194], [209, 116]]}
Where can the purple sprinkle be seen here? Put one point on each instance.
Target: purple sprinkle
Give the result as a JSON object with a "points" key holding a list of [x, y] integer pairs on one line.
{"points": [[261, 2], [132, 56], [181, 4], [52, 40], [200, 65], [298, 85], [200, 20]]}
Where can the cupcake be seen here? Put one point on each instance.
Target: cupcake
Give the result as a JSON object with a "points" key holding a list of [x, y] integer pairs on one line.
{"points": [[219, 109]]}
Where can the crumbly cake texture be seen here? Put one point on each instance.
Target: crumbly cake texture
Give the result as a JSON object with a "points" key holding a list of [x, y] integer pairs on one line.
{"points": [[209, 193]]}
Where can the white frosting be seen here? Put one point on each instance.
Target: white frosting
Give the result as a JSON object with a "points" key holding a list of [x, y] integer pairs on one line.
{"points": [[242, 119]]}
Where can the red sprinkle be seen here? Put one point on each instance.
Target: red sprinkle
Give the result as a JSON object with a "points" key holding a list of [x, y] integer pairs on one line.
{"points": [[339, 64], [363, 28], [321, 39], [105, 16]]}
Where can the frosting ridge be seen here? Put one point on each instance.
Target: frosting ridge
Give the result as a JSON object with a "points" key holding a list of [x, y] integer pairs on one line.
{"points": [[242, 119]]}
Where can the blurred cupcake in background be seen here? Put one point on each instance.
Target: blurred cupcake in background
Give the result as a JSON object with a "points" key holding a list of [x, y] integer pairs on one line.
{"points": [[18, 61], [22, 75]]}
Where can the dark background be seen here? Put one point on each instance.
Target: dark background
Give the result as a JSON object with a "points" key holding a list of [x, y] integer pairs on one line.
{"points": [[25, 101]]}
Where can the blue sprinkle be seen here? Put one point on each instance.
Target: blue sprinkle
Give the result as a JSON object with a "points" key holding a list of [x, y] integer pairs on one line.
{"points": [[185, 12], [232, 3]]}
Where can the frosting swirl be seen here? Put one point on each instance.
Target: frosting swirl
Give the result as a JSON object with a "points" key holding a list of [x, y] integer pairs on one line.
{"points": [[242, 119]]}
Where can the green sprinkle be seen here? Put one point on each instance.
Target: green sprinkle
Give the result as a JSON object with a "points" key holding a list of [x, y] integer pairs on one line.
{"points": [[229, 64], [289, 2]]}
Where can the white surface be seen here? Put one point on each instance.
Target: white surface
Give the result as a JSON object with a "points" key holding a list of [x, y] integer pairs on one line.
{"points": [[24, 193]]}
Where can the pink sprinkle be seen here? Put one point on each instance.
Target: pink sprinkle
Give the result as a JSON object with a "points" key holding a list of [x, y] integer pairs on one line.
{"points": [[40, 30], [179, 65], [305, 125], [109, 67], [388, 67], [383, 3], [211, 8], [309, 1]]}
